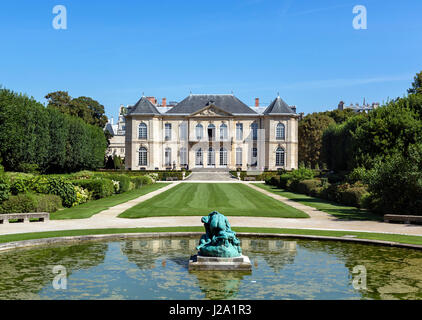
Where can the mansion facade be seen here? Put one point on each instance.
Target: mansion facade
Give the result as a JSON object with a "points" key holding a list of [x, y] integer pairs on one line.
{"points": [[211, 131]]}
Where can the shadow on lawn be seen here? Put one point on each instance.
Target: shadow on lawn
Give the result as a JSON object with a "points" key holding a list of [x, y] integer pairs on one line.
{"points": [[338, 211]]}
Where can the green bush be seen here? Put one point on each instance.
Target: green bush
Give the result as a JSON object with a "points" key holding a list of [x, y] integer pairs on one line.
{"points": [[64, 189], [47, 203], [100, 187], [21, 203], [141, 181], [28, 202], [309, 187], [19, 185], [283, 180], [124, 182], [301, 174], [353, 196], [4, 188]]}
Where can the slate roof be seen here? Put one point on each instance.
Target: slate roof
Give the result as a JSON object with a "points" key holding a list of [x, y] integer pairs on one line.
{"points": [[278, 106], [143, 106], [226, 102]]}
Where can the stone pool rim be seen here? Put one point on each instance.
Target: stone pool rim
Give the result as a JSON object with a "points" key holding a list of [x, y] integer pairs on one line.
{"points": [[8, 246]]}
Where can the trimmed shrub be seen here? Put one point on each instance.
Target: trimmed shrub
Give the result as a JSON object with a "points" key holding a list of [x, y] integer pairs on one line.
{"points": [[47, 203], [141, 181], [283, 180], [28, 202], [353, 196], [124, 182], [21, 203], [4, 188], [100, 188], [309, 187]]}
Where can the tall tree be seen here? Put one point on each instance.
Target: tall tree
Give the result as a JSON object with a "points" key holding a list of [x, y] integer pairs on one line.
{"points": [[311, 128], [86, 108], [416, 85]]}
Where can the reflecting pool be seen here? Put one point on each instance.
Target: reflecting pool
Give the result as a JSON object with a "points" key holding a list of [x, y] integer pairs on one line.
{"points": [[158, 269]]}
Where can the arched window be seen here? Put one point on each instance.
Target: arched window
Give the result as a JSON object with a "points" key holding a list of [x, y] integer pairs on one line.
{"points": [[223, 132], [183, 157], [254, 128], [279, 157], [143, 156], [143, 132], [167, 131], [280, 132], [254, 160], [167, 157], [239, 131], [199, 131], [198, 157], [183, 128], [223, 157], [211, 132], [239, 156], [211, 157]]}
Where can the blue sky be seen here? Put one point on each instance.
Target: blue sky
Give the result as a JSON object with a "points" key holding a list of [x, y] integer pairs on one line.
{"points": [[308, 51]]}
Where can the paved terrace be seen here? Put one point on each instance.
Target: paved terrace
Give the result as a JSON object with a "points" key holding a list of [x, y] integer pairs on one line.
{"points": [[108, 218]]}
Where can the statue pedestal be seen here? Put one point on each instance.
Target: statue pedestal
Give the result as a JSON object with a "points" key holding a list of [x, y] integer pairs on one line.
{"points": [[241, 263]]}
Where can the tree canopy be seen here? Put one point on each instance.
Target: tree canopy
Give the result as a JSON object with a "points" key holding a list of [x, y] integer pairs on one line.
{"points": [[88, 109]]}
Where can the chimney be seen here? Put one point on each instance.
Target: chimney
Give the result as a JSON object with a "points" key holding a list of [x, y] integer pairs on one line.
{"points": [[164, 103], [153, 100], [293, 108], [256, 102]]}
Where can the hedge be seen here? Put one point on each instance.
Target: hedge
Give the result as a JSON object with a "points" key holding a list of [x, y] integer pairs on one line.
{"points": [[4, 188], [100, 188], [141, 181], [27, 202], [33, 137]]}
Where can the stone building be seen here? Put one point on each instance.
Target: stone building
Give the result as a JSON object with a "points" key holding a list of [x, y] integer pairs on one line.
{"points": [[117, 131], [211, 131]]}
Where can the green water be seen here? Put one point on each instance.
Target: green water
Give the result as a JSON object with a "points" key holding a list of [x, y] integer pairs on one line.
{"points": [[157, 269]]}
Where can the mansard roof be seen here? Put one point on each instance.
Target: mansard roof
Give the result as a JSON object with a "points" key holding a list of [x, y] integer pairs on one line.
{"points": [[143, 106], [196, 102], [278, 106]]}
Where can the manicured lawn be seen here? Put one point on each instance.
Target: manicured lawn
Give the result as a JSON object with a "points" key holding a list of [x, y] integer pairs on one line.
{"points": [[196, 199], [337, 210], [360, 235], [90, 208]]}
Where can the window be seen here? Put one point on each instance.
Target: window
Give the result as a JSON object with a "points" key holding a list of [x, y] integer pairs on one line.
{"points": [[167, 157], [238, 156], [167, 131], [254, 127], [239, 131], [143, 156], [254, 160], [183, 131], [199, 131], [183, 157], [279, 157], [211, 157], [223, 157], [280, 132], [143, 134], [211, 132], [198, 157], [223, 132]]}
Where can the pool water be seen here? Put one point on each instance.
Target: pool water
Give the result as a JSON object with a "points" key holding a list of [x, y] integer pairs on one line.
{"points": [[158, 269]]}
